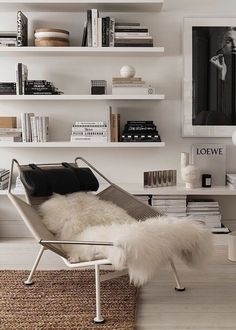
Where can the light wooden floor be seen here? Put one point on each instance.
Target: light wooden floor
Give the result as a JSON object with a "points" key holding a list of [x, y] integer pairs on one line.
{"points": [[209, 301]]}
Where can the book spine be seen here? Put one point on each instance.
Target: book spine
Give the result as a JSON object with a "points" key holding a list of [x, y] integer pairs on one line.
{"points": [[103, 31], [94, 27], [107, 31], [89, 27], [112, 33], [99, 32], [23, 125], [88, 138], [109, 120], [85, 32], [22, 30]]}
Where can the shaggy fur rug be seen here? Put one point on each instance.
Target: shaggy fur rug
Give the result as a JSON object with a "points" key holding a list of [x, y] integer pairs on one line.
{"points": [[141, 247]]}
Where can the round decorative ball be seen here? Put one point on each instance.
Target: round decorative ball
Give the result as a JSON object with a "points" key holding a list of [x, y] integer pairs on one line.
{"points": [[127, 71]]}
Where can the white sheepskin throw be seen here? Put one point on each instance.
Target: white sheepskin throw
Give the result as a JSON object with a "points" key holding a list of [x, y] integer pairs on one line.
{"points": [[141, 247]]}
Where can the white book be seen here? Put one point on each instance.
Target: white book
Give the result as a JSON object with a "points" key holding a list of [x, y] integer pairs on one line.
{"points": [[94, 27], [33, 128], [211, 159], [10, 139], [23, 126], [131, 34], [99, 32], [129, 90], [45, 129], [88, 139], [90, 133], [109, 120], [13, 130], [37, 129], [28, 127], [89, 129], [90, 123]]}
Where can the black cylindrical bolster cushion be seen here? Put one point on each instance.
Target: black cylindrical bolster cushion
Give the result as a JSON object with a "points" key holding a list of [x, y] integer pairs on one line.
{"points": [[62, 179]]}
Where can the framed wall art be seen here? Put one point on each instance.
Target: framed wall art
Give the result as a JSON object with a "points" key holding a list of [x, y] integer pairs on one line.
{"points": [[209, 87]]}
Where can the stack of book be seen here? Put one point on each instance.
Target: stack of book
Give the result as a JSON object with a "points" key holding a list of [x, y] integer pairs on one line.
{"points": [[4, 178], [171, 205], [32, 87], [89, 131], [128, 86], [41, 87], [132, 35], [98, 32], [10, 134], [231, 181], [140, 131], [206, 211], [34, 128], [8, 39], [7, 88]]}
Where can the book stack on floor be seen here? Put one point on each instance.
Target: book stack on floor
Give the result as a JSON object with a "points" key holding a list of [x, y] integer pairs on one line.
{"points": [[171, 205], [207, 211], [4, 178], [8, 39], [7, 88], [89, 131], [34, 128], [51, 38], [8, 130], [140, 131], [132, 35], [231, 181], [129, 86], [32, 87]]}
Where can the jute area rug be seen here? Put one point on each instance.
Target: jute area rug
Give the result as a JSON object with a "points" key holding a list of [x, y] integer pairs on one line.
{"points": [[64, 300]]}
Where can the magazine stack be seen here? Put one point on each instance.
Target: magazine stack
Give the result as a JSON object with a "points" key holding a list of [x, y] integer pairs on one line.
{"points": [[207, 211], [171, 205], [89, 131]]}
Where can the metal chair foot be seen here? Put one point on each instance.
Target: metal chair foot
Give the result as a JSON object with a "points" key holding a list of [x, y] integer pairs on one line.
{"points": [[97, 321], [180, 289]]}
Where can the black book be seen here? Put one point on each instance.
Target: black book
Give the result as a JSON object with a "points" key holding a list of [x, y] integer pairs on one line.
{"points": [[129, 29], [7, 92], [107, 31], [85, 35], [22, 30], [89, 28], [103, 31]]}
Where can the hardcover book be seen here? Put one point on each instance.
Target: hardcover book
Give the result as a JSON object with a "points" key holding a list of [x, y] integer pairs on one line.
{"points": [[22, 29], [211, 159]]}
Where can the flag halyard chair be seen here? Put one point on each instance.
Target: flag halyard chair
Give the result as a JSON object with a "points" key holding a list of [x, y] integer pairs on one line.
{"points": [[47, 241]]}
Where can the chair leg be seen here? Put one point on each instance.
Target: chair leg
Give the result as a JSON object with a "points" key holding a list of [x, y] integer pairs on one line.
{"points": [[29, 279], [98, 318], [178, 287]]}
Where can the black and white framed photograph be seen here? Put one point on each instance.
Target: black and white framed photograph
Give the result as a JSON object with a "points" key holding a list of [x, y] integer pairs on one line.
{"points": [[209, 88]]}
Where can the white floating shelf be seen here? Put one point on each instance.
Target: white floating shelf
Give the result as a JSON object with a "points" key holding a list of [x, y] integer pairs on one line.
{"points": [[67, 144], [81, 51], [63, 97], [138, 189], [82, 5]]}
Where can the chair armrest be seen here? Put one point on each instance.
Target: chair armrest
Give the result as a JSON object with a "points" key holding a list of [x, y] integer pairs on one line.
{"points": [[76, 242]]}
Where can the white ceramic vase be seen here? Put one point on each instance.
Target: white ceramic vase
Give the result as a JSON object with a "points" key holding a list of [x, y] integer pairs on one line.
{"points": [[190, 174]]}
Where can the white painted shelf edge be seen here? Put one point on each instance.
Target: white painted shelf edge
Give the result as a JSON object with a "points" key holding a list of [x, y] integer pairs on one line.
{"points": [[83, 5], [68, 97], [68, 144], [81, 51], [137, 188]]}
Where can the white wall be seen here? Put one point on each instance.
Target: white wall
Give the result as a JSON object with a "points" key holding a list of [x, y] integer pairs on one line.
{"points": [[72, 75]]}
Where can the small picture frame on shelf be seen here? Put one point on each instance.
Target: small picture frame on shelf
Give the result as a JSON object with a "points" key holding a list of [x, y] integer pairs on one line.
{"points": [[98, 87]]}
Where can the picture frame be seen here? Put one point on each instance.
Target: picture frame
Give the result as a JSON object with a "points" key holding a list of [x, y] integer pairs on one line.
{"points": [[209, 94]]}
